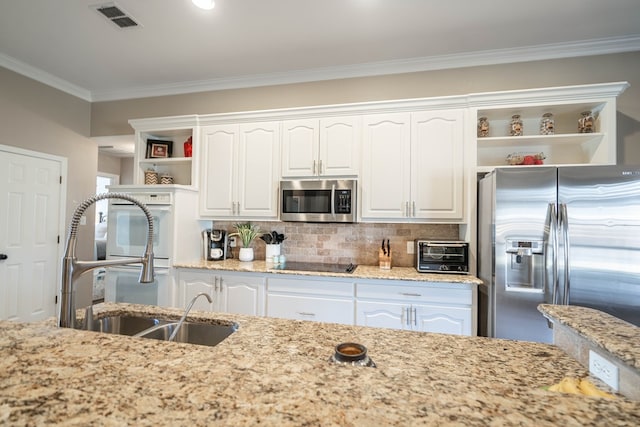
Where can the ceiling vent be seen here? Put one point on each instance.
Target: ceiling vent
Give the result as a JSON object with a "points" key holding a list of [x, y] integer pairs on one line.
{"points": [[116, 15]]}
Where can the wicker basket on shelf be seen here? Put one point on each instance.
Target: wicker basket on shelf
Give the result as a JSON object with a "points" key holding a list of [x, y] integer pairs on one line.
{"points": [[150, 177]]}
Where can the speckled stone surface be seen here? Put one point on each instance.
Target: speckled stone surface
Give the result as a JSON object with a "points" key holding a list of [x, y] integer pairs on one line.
{"points": [[277, 372], [361, 272], [620, 338]]}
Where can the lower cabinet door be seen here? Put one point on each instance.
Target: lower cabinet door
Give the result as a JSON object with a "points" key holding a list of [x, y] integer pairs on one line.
{"points": [[382, 314], [242, 294], [333, 310], [441, 319], [191, 283]]}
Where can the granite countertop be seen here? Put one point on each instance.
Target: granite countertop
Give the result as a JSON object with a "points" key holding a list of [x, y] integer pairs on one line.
{"points": [[277, 372], [361, 272], [621, 339]]}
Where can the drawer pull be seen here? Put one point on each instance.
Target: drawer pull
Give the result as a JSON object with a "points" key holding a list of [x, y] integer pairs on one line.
{"points": [[302, 313], [407, 294]]}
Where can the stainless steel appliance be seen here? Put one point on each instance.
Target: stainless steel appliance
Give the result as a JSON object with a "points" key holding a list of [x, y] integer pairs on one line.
{"points": [[214, 245], [319, 201], [567, 235], [438, 256]]}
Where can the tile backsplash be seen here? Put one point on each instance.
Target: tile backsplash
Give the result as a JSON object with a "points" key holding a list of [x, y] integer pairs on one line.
{"points": [[346, 243]]}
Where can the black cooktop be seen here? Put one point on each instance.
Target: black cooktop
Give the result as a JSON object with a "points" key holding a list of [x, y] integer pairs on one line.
{"points": [[316, 267]]}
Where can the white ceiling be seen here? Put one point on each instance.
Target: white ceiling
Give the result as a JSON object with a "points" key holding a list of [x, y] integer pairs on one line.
{"points": [[241, 43]]}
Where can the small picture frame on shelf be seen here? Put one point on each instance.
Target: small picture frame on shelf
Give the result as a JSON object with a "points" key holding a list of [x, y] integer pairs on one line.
{"points": [[158, 149]]}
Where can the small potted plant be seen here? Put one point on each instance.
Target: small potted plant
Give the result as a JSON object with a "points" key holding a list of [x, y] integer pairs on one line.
{"points": [[247, 233]]}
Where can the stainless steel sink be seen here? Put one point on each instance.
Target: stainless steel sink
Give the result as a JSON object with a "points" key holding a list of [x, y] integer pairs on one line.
{"points": [[149, 327]]}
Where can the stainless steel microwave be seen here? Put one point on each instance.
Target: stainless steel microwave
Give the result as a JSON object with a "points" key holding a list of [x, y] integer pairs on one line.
{"points": [[326, 200]]}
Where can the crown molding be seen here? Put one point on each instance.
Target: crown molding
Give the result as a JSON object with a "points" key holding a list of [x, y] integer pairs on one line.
{"points": [[462, 60], [44, 77]]}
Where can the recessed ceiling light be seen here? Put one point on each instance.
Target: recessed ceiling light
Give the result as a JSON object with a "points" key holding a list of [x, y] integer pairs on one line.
{"points": [[204, 4]]}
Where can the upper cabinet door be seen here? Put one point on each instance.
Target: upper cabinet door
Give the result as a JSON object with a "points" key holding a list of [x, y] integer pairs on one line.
{"points": [[385, 165], [300, 148], [437, 164], [258, 163], [320, 147], [339, 153], [219, 171]]}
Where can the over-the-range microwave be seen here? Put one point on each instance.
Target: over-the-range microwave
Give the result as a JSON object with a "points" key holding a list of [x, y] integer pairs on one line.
{"points": [[325, 200]]}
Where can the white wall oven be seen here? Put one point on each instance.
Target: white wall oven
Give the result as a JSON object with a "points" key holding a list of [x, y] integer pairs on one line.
{"points": [[126, 238], [127, 227]]}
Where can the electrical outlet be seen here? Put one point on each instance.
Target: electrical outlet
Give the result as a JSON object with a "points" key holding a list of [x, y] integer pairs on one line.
{"points": [[410, 246], [603, 369], [233, 242]]}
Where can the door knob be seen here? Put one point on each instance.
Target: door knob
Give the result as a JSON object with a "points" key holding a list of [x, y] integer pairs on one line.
{"points": [[3, 256]]}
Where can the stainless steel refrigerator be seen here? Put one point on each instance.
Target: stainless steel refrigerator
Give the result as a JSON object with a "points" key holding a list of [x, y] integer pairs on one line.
{"points": [[565, 235]]}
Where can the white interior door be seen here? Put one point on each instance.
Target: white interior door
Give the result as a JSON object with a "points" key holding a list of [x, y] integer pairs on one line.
{"points": [[30, 223]]}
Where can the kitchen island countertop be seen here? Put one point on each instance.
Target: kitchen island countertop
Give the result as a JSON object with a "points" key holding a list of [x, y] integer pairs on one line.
{"points": [[277, 372], [361, 272]]}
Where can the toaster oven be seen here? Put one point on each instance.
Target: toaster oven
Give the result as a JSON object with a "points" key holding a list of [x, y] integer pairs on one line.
{"points": [[438, 256]]}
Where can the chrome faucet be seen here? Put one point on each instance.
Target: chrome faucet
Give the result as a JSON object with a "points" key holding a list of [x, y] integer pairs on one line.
{"points": [[186, 312], [72, 269]]}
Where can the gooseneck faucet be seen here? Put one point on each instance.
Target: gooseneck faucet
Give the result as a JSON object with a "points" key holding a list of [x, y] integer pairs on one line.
{"points": [[72, 269], [186, 312]]}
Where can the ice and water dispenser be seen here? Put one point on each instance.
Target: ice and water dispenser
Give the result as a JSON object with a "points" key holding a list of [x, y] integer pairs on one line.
{"points": [[525, 265]]}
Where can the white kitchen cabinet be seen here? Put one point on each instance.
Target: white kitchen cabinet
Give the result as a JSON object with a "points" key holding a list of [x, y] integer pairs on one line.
{"points": [[435, 307], [386, 174], [177, 164], [321, 147], [239, 177], [417, 317], [242, 294], [301, 298], [231, 293], [413, 166], [192, 282], [566, 146]]}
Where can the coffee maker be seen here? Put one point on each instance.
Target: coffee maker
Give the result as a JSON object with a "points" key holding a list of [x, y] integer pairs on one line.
{"points": [[214, 245]]}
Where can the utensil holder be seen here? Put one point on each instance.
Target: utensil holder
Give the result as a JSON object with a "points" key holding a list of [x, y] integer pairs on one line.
{"points": [[272, 251], [384, 259]]}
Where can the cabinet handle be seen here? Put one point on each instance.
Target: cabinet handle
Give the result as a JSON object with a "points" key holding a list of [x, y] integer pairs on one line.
{"points": [[415, 317], [407, 294], [314, 167], [320, 167], [413, 204], [238, 211], [406, 208], [402, 316], [303, 313]]}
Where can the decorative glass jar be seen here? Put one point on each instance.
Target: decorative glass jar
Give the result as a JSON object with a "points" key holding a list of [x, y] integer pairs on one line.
{"points": [[517, 128], [483, 127], [547, 124], [586, 123]]}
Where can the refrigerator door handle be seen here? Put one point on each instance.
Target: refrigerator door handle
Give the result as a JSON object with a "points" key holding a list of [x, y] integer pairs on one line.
{"points": [[553, 229], [564, 223]]}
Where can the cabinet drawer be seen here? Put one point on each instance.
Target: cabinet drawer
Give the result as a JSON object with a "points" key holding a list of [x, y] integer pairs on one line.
{"points": [[432, 293], [317, 309], [306, 286]]}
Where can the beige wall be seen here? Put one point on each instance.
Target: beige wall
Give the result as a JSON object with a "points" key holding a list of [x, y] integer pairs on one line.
{"points": [[109, 164], [110, 118], [37, 117]]}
